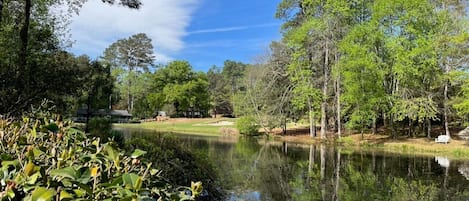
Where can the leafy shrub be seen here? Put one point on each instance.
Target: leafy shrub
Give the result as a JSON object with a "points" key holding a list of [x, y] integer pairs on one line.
{"points": [[180, 165], [247, 125], [43, 159]]}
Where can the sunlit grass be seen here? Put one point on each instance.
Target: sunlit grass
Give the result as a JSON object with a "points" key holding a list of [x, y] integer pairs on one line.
{"points": [[189, 126], [455, 150]]}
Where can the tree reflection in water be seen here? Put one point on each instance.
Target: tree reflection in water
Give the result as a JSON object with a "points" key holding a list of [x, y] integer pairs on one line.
{"points": [[258, 169]]}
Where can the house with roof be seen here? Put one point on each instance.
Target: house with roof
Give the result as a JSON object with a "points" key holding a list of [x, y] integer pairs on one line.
{"points": [[116, 116]]}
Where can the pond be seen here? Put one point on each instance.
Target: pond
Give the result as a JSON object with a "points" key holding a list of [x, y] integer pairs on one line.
{"points": [[255, 169]]}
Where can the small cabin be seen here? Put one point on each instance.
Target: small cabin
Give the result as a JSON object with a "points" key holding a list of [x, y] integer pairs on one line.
{"points": [[120, 116], [117, 116]]}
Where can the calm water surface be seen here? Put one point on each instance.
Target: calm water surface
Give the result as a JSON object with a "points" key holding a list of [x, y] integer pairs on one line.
{"points": [[256, 169]]}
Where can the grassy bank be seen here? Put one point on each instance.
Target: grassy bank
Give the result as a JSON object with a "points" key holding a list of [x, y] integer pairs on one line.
{"points": [[189, 126], [456, 149]]}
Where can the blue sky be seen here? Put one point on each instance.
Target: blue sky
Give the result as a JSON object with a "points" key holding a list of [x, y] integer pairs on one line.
{"points": [[203, 32]]}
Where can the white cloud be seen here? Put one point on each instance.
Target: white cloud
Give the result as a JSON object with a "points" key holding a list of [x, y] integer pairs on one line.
{"points": [[164, 21]]}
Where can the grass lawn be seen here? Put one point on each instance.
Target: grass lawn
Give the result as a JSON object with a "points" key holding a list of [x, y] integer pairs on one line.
{"points": [[205, 126], [456, 149]]}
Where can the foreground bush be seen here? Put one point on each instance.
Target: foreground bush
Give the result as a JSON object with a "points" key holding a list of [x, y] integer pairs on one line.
{"points": [[247, 125], [43, 160], [180, 164]]}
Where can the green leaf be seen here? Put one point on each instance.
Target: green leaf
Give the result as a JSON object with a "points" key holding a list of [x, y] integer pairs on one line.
{"points": [[153, 172], [65, 195], [42, 194], [68, 172], [30, 169], [132, 181], [52, 127], [11, 193], [37, 152], [74, 131], [34, 132], [14, 163], [85, 176], [111, 152], [137, 153], [85, 187], [33, 178], [79, 192]]}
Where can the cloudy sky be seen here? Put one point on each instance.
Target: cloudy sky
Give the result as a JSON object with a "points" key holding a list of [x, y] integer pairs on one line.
{"points": [[203, 32]]}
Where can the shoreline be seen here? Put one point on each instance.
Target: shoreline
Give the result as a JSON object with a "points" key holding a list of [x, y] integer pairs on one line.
{"points": [[421, 146], [455, 149]]}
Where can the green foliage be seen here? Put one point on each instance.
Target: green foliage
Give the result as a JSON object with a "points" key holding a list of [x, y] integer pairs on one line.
{"points": [[97, 84], [462, 103], [101, 127], [219, 94], [247, 125], [177, 84], [418, 109], [415, 190], [43, 159], [33, 63], [180, 165], [130, 59]]}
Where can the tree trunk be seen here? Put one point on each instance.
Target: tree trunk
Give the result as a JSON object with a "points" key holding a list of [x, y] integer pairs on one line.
{"points": [[374, 126], [23, 54], [310, 164], [445, 105], [232, 101], [445, 183], [323, 161], [312, 150], [312, 132], [393, 128], [131, 104], [339, 123], [129, 97], [314, 126], [324, 92], [284, 126], [323, 171], [337, 177], [361, 130], [410, 128], [429, 128], [285, 148], [385, 124]]}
